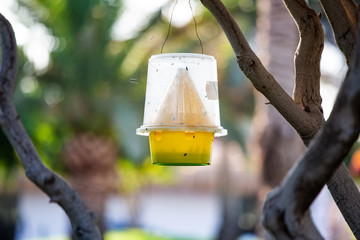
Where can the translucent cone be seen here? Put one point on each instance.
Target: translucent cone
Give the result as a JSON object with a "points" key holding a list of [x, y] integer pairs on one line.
{"points": [[182, 104]]}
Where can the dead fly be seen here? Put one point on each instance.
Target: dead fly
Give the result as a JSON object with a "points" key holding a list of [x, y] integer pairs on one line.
{"points": [[134, 81]]}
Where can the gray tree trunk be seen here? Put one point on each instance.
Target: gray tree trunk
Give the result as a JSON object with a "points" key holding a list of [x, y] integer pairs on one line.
{"points": [[276, 40]]}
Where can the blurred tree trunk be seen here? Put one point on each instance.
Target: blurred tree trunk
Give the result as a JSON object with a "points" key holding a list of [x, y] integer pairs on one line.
{"points": [[237, 195], [91, 162], [8, 203], [272, 135], [277, 39]]}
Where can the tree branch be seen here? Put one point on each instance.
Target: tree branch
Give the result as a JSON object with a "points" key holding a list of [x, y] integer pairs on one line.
{"points": [[259, 76], [307, 59], [352, 10], [342, 15], [346, 198], [262, 80], [83, 223], [291, 200], [9, 67], [341, 183]]}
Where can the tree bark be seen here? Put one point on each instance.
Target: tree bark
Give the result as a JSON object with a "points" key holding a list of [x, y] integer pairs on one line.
{"points": [[83, 222], [307, 58], [342, 16], [346, 193]]}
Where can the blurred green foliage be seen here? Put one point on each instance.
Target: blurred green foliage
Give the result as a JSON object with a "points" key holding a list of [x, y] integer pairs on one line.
{"points": [[94, 83], [134, 177], [8, 161], [130, 234], [138, 234]]}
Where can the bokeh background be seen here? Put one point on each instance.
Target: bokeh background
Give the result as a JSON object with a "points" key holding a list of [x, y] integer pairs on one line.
{"points": [[80, 94]]}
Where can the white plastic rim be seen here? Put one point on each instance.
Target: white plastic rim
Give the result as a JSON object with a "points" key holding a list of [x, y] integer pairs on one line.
{"points": [[186, 55], [145, 130], [182, 94]]}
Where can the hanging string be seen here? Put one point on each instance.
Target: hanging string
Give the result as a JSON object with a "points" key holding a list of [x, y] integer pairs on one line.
{"points": [[196, 31], [168, 32], [169, 28]]}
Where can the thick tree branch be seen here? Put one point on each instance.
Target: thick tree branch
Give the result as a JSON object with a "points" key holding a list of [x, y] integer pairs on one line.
{"points": [[307, 59], [290, 202], [9, 67], [307, 67], [346, 198], [342, 15], [262, 80], [352, 10], [83, 223]]}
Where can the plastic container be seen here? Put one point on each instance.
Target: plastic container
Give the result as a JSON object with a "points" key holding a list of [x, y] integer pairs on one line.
{"points": [[181, 113]]}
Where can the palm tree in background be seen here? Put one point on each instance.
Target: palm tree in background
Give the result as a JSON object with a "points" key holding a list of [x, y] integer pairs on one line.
{"points": [[273, 136]]}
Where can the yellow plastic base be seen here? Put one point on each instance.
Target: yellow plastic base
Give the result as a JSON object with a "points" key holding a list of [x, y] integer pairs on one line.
{"points": [[181, 148]]}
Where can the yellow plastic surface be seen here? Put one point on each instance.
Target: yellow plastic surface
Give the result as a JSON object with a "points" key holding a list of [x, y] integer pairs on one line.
{"points": [[181, 148]]}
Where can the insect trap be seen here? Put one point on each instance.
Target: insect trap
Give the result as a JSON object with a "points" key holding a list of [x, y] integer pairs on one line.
{"points": [[181, 115]]}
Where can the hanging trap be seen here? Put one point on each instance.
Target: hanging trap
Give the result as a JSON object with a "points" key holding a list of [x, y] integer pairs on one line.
{"points": [[181, 115]]}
